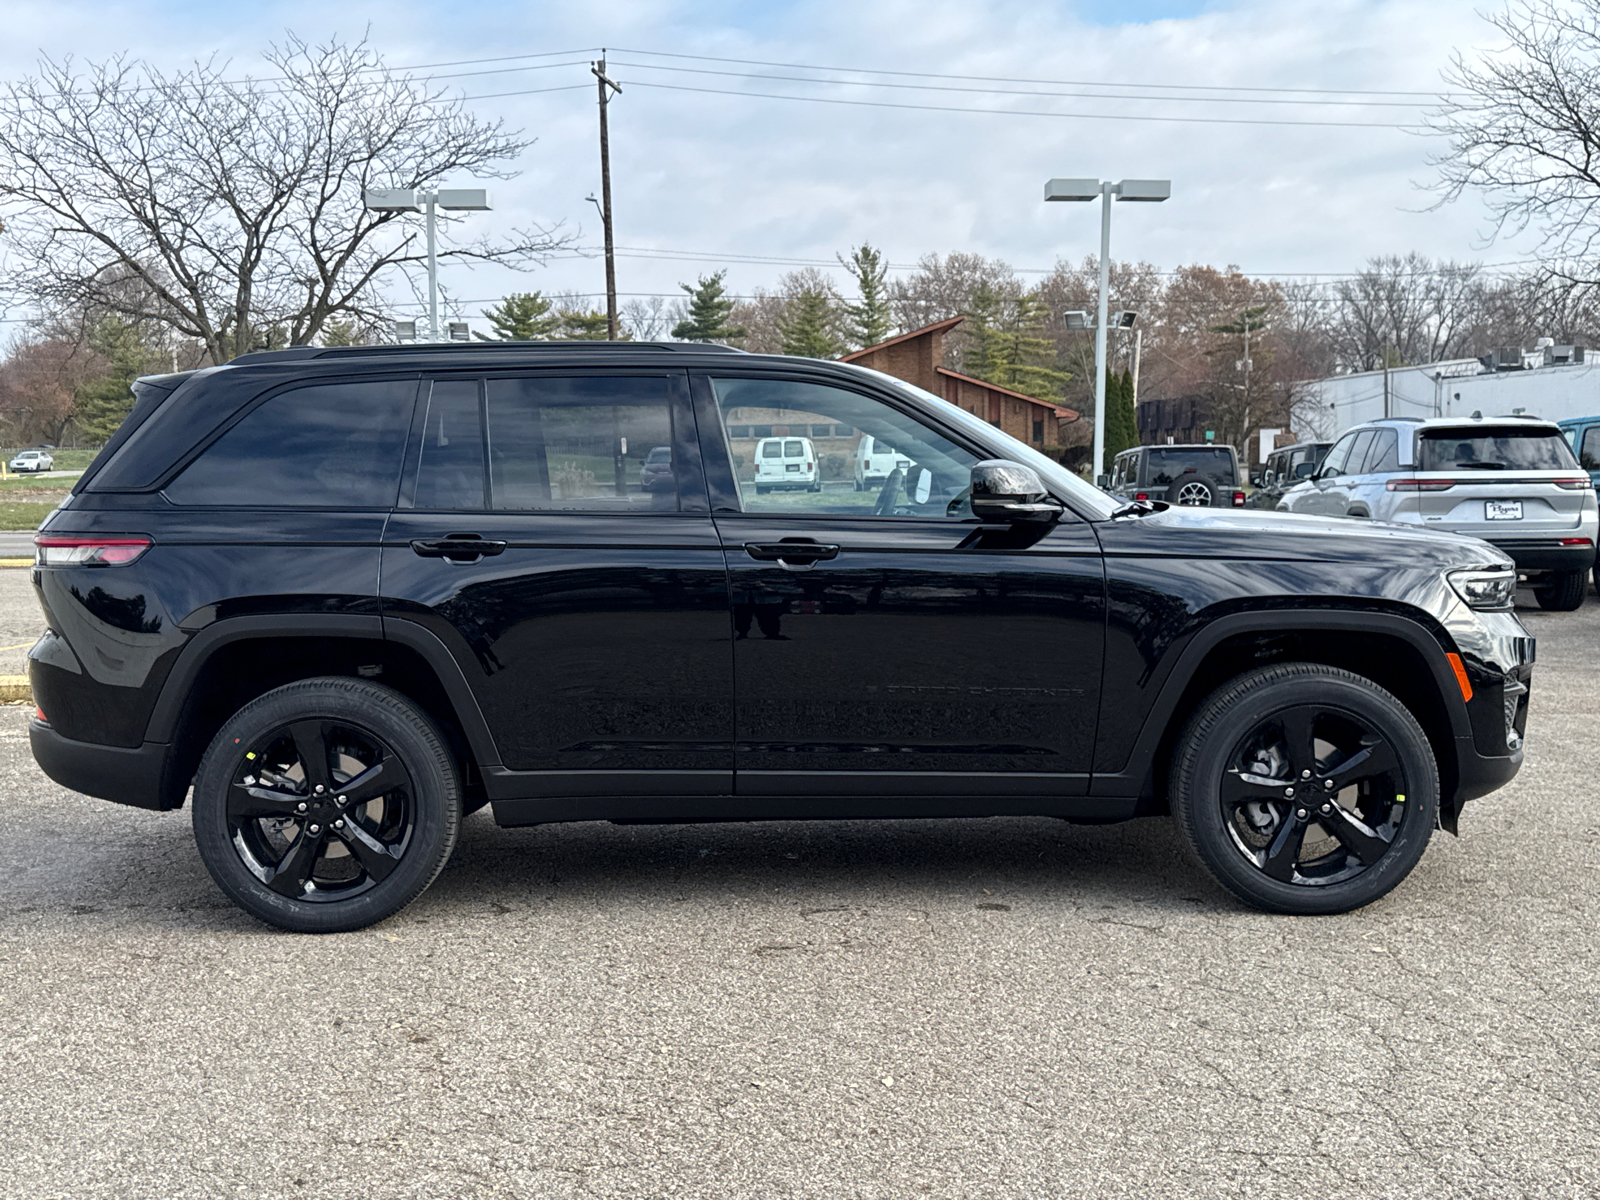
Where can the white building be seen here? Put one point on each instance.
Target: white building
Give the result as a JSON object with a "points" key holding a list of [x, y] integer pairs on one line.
{"points": [[1545, 383]]}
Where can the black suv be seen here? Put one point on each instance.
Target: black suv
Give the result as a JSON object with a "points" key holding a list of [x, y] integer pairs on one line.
{"points": [[1286, 467], [1195, 476], [349, 595]]}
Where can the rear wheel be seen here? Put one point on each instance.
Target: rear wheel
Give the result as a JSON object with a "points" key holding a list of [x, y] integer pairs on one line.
{"points": [[1193, 491], [1562, 591], [1305, 789], [326, 805]]}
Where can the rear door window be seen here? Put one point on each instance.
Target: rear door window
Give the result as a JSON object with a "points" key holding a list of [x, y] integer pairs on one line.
{"points": [[1494, 448], [1385, 453], [324, 446], [1589, 455], [1357, 461]]}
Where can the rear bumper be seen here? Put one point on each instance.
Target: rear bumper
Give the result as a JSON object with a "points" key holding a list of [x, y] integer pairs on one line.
{"points": [[123, 775], [1545, 554]]}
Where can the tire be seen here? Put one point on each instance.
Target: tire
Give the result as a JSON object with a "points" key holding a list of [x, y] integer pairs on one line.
{"points": [[1251, 836], [815, 487], [1562, 591], [762, 491], [388, 848], [1597, 577], [1194, 491]]}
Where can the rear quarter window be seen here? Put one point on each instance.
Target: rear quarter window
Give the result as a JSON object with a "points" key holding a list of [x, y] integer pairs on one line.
{"points": [[324, 446]]}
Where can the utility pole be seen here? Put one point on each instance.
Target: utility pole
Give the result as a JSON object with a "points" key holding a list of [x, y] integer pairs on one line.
{"points": [[607, 87]]}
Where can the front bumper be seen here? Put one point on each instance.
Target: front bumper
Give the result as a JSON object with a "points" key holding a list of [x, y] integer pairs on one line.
{"points": [[123, 775]]}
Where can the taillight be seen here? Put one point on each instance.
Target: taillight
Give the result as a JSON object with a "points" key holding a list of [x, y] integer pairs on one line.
{"points": [[1238, 499], [1576, 542], [1576, 483], [1141, 495], [86, 550], [1420, 485]]}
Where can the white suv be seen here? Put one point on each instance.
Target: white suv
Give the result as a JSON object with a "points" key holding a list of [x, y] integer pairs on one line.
{"points": [[1512, 481], [787, 463]]}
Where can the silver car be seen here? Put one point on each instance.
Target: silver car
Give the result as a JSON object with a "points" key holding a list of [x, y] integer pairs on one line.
{"points": [[1512, 481]]}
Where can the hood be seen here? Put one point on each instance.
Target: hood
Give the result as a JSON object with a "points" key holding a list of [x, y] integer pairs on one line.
{"points": [[1242, 533]]}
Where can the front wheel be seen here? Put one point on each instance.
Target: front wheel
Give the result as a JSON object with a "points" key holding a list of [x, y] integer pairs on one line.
{"points": [[1305, 789], [326, 805], [1561, 591]]}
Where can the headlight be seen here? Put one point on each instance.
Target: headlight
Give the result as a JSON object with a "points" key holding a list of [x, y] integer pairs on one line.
{"points": [[1493, 587]]}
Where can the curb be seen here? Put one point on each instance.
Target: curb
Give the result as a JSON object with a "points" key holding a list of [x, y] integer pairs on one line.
{"points": [[16, 562], [15, 689]]}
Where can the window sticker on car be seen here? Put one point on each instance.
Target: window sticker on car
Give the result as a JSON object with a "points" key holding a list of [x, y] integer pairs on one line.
{"points": [[1502, 510]]}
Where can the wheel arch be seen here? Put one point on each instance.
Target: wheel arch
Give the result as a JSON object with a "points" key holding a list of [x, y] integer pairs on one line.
{"points": [[230, 663], [1401, 654]]}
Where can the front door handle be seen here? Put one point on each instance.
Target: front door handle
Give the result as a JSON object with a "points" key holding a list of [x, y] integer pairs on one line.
{"points": [[792, 552], [457, 547]]}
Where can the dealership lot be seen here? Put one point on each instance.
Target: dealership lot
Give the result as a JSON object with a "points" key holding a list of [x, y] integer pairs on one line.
{"points": [[1011, 1007]]}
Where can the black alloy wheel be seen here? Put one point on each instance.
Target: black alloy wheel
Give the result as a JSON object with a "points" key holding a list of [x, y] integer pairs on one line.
{"points": [[326, 805], [1305, 789]]}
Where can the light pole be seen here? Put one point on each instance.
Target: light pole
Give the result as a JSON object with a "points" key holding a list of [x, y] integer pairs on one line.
{"points": [[429, 201], [1090, 189]]}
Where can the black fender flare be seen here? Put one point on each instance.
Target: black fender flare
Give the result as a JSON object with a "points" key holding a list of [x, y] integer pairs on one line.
{"points": [[1130, 780], [191, 660]]}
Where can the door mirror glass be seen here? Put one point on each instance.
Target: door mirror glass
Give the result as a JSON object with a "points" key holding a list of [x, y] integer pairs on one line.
{"points": [[1008, 491], [1102, 482]]}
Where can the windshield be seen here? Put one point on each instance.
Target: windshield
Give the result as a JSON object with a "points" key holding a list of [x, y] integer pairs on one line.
{"points": [[1495, 448], [1087, 498]]}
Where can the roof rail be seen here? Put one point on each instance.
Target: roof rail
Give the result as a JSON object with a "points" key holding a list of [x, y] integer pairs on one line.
{"points": [[298, 353]]}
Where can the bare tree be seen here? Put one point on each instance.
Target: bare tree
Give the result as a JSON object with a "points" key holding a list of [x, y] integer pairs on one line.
{"points": [[1404, 310], [649, 320], [1523, 126], [230, 210]]}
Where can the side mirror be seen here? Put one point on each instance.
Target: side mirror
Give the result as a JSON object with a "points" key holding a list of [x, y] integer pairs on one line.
{"points": [[1008, 491], [1103, 482], [1259, 478], [1305, 470]]}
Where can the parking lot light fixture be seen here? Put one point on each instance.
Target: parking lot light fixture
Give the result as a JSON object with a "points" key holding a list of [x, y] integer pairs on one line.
{"points": [[429, 201], [1082, 190]]}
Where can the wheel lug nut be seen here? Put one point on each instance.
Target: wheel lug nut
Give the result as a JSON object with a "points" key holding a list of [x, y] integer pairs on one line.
{"points": [[318, 828], [300, 807], [1299, 812], [1288, 791], [1327, 783], [344, 799], [339, 824], [320, 789], [1327, 808], [1306, 774]]}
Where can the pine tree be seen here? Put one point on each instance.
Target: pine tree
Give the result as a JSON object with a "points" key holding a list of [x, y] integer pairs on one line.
{"points": [[105, 403], [339, 333], [1008, 345], [708, 313], [1122, 424], [809, 326], [867, 321], [521, 317], [578, 325]]}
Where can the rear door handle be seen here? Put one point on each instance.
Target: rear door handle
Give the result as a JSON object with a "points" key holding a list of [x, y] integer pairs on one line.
{"points": [[795, 552], [457, 547]]}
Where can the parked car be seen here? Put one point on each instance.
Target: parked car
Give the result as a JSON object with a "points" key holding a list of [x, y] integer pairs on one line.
{"points": [[1202, 475], [1583, 435], [336, 598], [656, 474], [787, 464], [32, 460], [1512, 481], [1285, 467], [875, 461]]}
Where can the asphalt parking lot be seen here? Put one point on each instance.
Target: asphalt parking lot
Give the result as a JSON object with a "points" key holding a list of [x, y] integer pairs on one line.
{"points": [[1006, 1008]]}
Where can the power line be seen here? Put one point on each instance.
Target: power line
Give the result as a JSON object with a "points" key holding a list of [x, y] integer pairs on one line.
{"points": [[1018, 112], [935, 87], [1192, 87]]}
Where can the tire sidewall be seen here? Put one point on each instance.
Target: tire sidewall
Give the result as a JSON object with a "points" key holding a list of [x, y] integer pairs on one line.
{"points": [[436, 798], [1230, 712]]}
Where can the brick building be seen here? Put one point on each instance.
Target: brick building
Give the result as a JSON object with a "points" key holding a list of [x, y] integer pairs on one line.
{"points": [[918, 358]]}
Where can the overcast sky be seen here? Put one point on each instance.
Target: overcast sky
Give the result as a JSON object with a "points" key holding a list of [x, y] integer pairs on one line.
{"points": [[718, 176]]}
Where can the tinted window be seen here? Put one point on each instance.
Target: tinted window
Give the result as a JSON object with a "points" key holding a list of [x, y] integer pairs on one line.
{"points": [[1590, 458], [329, 446], [579, 444], [932, 485], [1385, 453], [772, 450], [1358, 452], [1334, 463], [1167, 464], [450, 473], [1491, 448], [793, 450]]}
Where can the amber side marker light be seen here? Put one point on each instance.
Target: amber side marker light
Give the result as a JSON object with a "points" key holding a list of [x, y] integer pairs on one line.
{"points": [[1461, 676]]}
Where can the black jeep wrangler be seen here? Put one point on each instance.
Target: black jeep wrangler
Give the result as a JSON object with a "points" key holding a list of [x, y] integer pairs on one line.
{"points": [[1194, 476], [340, 598]]}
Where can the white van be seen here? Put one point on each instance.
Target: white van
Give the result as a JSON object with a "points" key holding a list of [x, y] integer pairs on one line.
{"points": [[787, 462], [876, 461]]}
